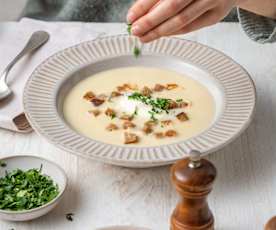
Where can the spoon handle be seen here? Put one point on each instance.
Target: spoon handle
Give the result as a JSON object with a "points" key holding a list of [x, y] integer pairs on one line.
{"points": [[37, 39]]}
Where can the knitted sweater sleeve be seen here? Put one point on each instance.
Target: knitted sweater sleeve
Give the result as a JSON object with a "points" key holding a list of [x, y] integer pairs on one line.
{"points": [[258, 28]]}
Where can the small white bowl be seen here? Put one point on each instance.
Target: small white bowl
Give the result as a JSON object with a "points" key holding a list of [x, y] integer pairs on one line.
{"points": [[51, 169]]}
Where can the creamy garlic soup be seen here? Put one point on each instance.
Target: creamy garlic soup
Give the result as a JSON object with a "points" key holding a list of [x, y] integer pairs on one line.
{"points": [[139, 106]]}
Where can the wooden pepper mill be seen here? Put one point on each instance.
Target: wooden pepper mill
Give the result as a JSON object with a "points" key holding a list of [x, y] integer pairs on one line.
{"points": [[271, 224], [193, 179]]}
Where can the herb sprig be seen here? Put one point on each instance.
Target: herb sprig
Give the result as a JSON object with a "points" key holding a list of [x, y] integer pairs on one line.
{"points": [[136, 49], [113, 116], [158, 105], [135, 113], [24, 190], [129, 27]]}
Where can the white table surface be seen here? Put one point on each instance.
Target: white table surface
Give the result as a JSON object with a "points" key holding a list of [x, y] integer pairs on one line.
{"points": [[244, 196]]}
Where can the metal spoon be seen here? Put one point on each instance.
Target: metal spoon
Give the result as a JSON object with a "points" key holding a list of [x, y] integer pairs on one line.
{"points": [[37, 39]]}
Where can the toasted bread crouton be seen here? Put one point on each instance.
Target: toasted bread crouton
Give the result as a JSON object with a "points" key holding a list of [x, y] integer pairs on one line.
{"points": [[130, 138], [110, 112], [182, 104], [158, 88], [148, 127], [126, 87], [89, 96], [159, 135], [172, 104], [112, 127], [97, 101], [146, 91], [95, 112], [171, 86], [166, 122], [171, 133], [115, 94], [128, 124], [182, 116], [126, 117]]}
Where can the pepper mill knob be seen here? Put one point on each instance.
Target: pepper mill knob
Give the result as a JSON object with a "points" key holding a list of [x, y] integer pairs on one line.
{"points": [[271, 224], [193, 179]]}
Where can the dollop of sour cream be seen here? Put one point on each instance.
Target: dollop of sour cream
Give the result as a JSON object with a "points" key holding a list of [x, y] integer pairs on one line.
{"points": [[128, 106]]}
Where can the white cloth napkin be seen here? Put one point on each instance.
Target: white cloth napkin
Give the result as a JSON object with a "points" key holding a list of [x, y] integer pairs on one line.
{"points": [[13, 37]]}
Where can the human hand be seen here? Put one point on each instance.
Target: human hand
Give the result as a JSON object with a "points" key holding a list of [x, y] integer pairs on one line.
{"points": [[153, 19]]}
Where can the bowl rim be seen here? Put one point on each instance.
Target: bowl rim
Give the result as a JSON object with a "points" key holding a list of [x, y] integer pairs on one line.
{"points": [[55, 200], [151, 162]]}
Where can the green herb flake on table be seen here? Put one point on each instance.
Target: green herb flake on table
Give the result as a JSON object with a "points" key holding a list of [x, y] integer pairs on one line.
{"points": [[3, 164], [69, 216]]}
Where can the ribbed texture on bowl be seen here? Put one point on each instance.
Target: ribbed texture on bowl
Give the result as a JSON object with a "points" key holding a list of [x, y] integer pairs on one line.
{"points": [[40, 100]]}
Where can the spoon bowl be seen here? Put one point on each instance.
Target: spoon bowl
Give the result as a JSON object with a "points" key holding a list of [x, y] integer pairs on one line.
{"points": [[4, 90], [37, 40]]}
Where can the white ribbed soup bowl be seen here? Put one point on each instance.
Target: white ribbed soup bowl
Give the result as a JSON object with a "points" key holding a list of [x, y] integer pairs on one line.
{"points": [[230, 85]]}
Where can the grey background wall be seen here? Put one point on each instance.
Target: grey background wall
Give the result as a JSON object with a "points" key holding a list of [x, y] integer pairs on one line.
{"points": [[11, 9]]}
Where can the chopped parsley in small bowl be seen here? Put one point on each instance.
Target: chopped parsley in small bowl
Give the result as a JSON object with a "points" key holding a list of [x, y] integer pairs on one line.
{"points": [[30, 187]]}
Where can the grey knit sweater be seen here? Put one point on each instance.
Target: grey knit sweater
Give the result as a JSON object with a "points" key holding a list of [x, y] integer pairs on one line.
{"points": [[258, 28]]}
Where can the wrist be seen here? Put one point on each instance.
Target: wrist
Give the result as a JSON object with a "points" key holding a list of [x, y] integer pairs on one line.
{"points": [[266, 8], [241, 3]]}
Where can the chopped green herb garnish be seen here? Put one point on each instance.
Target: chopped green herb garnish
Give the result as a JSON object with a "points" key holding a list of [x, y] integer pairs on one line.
{"points": [[152, 115], [69, 216], [113, 115], [136, 51], [129, 25], [179, 100], [3, 164], [135, 111], [158, 105], [24, 190]]}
